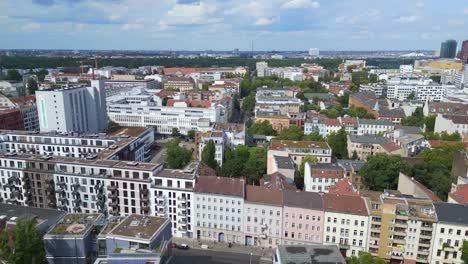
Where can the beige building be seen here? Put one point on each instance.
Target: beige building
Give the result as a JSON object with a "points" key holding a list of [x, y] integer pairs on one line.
{"points": [[369, 145]]}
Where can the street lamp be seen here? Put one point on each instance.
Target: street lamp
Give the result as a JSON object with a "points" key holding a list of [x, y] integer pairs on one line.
{"points": [[250, 262]]}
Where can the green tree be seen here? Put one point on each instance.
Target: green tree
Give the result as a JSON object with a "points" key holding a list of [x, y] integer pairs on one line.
{"points": [[442, 155], [248, 105], [332, 112], [381, 171], [359, 112], [208, 154], [365, 258], [291, 133], [27, 246], [255, 167], [299, 178], [338, 142], [32, 86], [13, 75], [261, 128], [464, 250], [177, 156], [411, 96], [191, 134], [315, 136], [430, 123], [354, 156], [435, 176], [175, 132]]}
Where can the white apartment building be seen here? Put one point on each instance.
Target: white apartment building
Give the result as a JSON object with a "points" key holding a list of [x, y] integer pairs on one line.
{"points": [[318, 177], [263, 216], [80, 109], [406, 69], [451, 124], [261, 67], [423, 89], [219, 141], [173, 197], [374, 127], [114, 87], [219, 209], [449, 234], [461, 78], [346, 223]]}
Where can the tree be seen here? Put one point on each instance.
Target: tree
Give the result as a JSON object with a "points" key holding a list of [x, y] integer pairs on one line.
{"points": [[299, 178], [27, 246], [441, 155], [177, 156], [291, 133], [430, 123], [338, 142], [381, 171], [32, 86], [165, 99], [359, 112], [191, 134], [112, 126], [365, 258], [315, 136], [209, 153], [355, 155], [13, 75], [205, 86], [435, 176], [255, 167], [248, 105], [175, 132], [464, 250], [262, 128], [411, 96], [332, 112]]}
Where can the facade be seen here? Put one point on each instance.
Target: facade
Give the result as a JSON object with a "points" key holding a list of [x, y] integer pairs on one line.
{"points": [[261, 67], [181, 84], [28, 108], [346, 223], [464, 51], [318, 177], [219, 209], [113, 87], [284, 166], [448, 49], [263, 216], [451, 124], [368, 145], [11, 118], [80, 109], [303, 218], [374, 127], [450, 233]]}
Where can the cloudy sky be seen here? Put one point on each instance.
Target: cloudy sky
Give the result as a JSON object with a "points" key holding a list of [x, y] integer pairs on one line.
{"points": [[229, 24]]}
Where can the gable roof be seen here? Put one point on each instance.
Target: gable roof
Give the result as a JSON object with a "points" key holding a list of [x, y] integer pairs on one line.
{"points": [[263, 195], [301, 199], [460, 195], [346, 204], [220, 185], [452, 213]]}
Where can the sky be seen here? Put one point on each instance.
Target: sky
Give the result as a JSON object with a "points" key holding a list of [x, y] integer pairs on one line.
{"points": [[230, 24]]}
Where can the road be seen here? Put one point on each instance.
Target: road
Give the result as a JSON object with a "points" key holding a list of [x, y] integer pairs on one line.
{"points": [[200, 256]]}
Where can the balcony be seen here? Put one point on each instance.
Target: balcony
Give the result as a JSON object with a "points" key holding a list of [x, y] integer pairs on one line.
{"points": [[182, 206], [145, 209], [263, 236], [112, 196], [180, 198], [344, 246], [100, 196], [114, 204], [51, 204], [424, 251], [400, 241], [182, 228], [182, 222], [426, 242], [111, 188], [75, 185], [181, 213], [61, 184]]}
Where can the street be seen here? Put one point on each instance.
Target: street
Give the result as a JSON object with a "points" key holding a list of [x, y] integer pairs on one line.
{"points": [[200, 256]]}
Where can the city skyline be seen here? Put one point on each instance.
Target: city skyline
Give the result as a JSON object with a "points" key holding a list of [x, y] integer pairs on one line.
{"points": [[225, 25]]}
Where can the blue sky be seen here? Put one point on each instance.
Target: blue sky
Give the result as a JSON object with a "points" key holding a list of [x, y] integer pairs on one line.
{"points": [[229, 24]]}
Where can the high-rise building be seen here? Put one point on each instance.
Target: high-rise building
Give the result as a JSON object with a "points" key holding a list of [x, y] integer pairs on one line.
{"points": [[314, 52], [464, 51], [448, 49], [261, 67], [78, 109]]}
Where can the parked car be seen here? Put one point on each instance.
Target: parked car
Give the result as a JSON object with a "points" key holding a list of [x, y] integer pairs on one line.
{"points": [[183, 246]]}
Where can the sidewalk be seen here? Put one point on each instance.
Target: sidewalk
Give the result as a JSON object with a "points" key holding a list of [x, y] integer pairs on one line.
{"points": [[266, 254]]}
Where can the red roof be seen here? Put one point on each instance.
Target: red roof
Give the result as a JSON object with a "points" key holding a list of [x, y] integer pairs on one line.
{"points": [[264, 195], [165, 93], [23, 99], [390, 147], [220, 185], [204, 104], [331, 122], [349, 121], [461, 194], [343, 187], [347, 204], [437, 143], [181, 70]]}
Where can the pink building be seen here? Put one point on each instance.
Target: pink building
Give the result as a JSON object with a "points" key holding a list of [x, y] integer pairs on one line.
{"points": [[302, 217]]}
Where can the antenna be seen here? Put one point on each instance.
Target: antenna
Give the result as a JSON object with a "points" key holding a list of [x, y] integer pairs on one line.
{"points": [[252, 48]]}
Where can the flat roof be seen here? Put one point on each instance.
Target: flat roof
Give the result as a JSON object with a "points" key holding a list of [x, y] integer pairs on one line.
{"points": [[41, 214], [129, 131], [310, 254], [283, 144], [138, 226], [75, 225], [452, 213]]}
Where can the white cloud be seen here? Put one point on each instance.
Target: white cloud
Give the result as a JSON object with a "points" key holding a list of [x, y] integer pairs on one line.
{"points": [[31, 26], [132, 26], [300, 4], [408, 19], [264, 21], [198, 13]]}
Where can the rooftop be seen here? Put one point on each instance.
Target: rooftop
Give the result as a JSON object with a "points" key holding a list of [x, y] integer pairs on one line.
{"points": [[379, 122], [285, 144], [369, 139], [300, 199], [138, 226], [75, 225], [310, 254], [452, 213], [42, 215], [346, 204], [284, 162], [460, 195], [263, 195], [220, 185], [343, 187]]}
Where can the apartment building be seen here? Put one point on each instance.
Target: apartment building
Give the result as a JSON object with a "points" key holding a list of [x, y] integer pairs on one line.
{"points": [[11, 118], [177, 83], [324, 126], [297, 150], [374, 127], [346, 223], [219, 209], [450, 233], [219, 141], [368, 145], [451, 124], [423, 89], [303, 218], [78, 109], [263, 216], [28, 108], [114, 87], [278, 101], [318, 177]]}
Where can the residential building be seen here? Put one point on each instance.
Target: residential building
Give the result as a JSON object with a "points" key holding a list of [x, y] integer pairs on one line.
{"points": [[351, 170], [408, 139], [450, 233], [285, 166], [318, 177], [303, 218], [218, 139], [297, 150], [308, 254], [463, 55], [451, 124], [261, 67], [461, 77], [114, 87], [263, 216], [181, 84], [378, 89], [368, 145], [374, 127], [80, 109], [423, 89], [11, 118], [445, 108], [346, 223], [219, 209], [366, 100], [27, 106], [448, 49], [45, 218], [314, 52], [276, 104]]}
